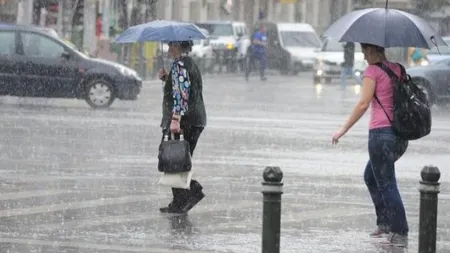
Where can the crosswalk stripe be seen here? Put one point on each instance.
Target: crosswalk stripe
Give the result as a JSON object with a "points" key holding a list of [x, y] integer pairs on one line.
{"points": [[94, 246], [146, 216]]}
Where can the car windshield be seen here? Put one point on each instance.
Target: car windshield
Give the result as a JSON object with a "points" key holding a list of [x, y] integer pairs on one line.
{"points": [[299, 39], [442, 49], [218, 29], [336, 46]]}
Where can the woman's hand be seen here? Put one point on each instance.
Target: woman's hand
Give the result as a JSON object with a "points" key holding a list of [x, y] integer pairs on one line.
{"points": [[162, 74], [337, 135], [175, 126], [367, 93]]}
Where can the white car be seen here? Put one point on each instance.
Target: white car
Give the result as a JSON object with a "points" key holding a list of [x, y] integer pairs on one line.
{"points": [[330, 58], [202, 49]]}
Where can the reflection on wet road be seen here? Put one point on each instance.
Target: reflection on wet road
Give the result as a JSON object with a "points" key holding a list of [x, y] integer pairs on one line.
{"points": [[79, 180]]}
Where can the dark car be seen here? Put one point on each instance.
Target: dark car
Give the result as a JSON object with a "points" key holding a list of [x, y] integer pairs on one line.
{"points": [[434, 79], [36, 64]]}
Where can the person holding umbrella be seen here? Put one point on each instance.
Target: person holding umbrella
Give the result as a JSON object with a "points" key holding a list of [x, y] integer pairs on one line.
{"points": [[384, 146], [388, 28], [183, 110]]}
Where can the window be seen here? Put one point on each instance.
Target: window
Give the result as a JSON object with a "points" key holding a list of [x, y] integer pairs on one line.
{"points": [[336, 46], [217, 29], [299, 39], [39, 46], [7, 43], [441, 50], [240, 30]]}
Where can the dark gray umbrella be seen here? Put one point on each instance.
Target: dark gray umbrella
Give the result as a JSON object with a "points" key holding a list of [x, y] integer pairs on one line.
{"points": [[386, 28]]}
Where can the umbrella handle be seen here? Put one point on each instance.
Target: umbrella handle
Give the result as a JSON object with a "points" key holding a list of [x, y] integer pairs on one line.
{"points": [[162, 53]]}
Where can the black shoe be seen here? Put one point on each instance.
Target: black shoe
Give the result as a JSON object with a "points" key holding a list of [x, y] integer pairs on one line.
{"points": [[193, 200], [171, 209]]}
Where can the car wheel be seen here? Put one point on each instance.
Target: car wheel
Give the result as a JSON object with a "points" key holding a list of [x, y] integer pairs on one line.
{"points": [[425, 87], [100, 93]]}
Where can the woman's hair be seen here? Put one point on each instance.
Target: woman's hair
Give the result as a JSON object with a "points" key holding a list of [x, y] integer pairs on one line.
{"points": [[378, 49], [185, 46]]}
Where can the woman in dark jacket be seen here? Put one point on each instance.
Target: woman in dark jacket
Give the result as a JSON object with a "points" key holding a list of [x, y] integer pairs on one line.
{"points": [[183, 110]]}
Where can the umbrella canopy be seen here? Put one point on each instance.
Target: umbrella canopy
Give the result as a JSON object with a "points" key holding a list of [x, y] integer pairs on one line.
{"points": [[161, 30], [386, 28]]}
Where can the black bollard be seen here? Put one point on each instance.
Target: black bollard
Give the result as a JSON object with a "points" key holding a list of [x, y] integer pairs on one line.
{"points": [[429, 189], [272, 188]]}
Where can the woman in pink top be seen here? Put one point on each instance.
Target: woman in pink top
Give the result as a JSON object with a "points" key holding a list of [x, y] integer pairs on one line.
{"points": [[385, 148]]}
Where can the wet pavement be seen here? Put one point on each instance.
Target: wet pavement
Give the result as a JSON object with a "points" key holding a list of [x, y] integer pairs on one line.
{"points": [[80, 180]]}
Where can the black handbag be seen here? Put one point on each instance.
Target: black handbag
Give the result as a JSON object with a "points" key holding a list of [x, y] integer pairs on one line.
{"points": [[174, 155]]}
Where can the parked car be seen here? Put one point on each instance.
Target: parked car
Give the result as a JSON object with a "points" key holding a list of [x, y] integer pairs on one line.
{"points": [[36, 64], [291, 47], [330, 58], [439, 53], [228, 39], [433, 79]]}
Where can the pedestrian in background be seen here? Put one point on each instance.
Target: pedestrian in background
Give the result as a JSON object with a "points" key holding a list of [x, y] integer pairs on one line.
{"points": [[258, 52], [183, 110], [348, 64], [416, 55]]}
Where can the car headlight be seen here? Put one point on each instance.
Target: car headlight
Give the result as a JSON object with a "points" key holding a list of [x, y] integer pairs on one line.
{"points": [[319, 60], [230, 46], [127, 72], [424, 63]]}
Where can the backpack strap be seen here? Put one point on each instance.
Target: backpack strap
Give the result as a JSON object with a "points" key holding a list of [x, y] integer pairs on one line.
{"points": [[393, 77], [389, 71]]}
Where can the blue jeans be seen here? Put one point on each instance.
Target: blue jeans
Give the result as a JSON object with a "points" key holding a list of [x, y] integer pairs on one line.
{"points": [[257, 56], [348, 71], [384, 149]]}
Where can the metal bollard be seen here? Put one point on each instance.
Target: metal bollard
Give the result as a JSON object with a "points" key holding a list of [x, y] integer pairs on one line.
{"points": [[272, 188], [429, 189]]}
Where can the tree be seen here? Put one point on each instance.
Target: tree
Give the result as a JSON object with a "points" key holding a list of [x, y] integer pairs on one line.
{"points": [[150, 11], [426, 6], [123, 20]]}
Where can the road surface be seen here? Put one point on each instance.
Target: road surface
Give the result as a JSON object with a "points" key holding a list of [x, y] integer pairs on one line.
{"points": [[79, 180]]}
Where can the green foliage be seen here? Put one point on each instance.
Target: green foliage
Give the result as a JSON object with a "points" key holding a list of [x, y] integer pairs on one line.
{"points": [[424, 6]]}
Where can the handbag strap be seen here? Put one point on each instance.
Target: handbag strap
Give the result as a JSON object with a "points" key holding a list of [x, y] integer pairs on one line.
{"points": [[172, 135]]}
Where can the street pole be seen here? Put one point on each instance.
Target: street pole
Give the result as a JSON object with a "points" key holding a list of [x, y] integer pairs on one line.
{"points": [[89, 24], [272, 189], [429, 189], [142, 60], [59, 20]]}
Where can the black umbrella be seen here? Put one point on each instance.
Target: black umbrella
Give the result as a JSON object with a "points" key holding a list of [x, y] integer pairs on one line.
{"points": [[386, 28]]}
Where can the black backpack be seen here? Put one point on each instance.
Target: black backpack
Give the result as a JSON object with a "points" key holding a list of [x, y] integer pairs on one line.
{"points": [[412, 114]]}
